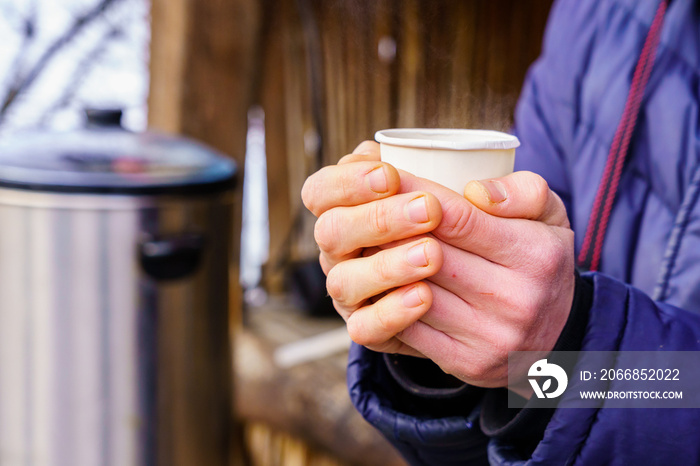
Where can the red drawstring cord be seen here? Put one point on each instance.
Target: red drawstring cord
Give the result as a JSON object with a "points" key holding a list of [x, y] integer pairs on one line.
{"points": [[589, 256]]}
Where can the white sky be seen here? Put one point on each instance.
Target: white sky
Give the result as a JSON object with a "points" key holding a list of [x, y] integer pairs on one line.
{"points": [[119, 76]]}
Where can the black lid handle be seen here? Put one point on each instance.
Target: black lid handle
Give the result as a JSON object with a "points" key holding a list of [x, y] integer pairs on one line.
{"points": [[171, 257], [103, 117]]}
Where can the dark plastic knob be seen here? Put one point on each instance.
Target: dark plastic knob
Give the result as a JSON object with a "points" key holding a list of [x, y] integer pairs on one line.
{"points": [[103, 117]]}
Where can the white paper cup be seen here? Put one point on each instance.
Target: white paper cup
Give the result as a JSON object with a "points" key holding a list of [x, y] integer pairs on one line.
{"points": [[451, 157]]}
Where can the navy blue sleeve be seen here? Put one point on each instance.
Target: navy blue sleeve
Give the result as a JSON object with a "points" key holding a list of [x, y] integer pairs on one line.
{"points": [[425, 430], [623, 318]]}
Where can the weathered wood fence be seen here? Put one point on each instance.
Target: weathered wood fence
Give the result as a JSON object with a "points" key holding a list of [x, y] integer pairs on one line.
{"points": [[329, 73], [334, 72]]}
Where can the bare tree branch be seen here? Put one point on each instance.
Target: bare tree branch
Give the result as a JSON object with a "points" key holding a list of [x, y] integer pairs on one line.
{"points": [[22, 83], [28, 35], [81, 72]]}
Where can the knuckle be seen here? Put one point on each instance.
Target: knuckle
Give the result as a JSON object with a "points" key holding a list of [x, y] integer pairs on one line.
{"points": [[526, 313], [366, 147], [489, 368], [539, 183], [335, 285], [343, 311], [541, 252], [523, 311], [549, 255], [377, 218], [382, 271], [453, 367], [326, 232], [542, 198], [346, 158], [539, 192], [383, 322], [308, 195], [455, 362], [346, 194], [479, 370], [358, 331], [312, 192], [459, 221], [506, 341], [539, 259], [326, 264], [554, 261]]}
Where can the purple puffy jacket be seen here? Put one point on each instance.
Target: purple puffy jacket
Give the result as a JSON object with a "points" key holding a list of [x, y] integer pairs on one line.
{"points": [[647, 295]]}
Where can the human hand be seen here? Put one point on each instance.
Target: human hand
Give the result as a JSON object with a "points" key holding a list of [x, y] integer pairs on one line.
{"points": [[507, 280], [358, 209], [504, 278]]}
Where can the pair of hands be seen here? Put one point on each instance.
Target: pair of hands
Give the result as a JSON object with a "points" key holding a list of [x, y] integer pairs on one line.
{"points": [[416, 269]]}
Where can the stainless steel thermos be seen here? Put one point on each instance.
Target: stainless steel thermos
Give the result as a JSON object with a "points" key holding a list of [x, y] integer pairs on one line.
{"points": [[114, 254]]}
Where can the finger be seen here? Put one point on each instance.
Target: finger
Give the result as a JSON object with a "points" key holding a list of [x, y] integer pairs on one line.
{"points": [[475, 364], [348, 185], [518, 195], [467, 227], [326, 263], [365, 151], [341, 231], [352, 282], [461, 351], [371, 251], [435, 345], [376, 324], [472, 278], [469, 323], [460, 218], [396, 346]]}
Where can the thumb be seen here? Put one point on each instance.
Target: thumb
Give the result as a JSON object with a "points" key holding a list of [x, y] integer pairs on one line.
{"points": [[518, 195]]}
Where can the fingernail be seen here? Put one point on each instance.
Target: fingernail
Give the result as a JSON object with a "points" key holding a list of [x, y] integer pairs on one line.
{"points": [[495, 190], [411, 298], [416, 256], [377, 180], [418, 210]]}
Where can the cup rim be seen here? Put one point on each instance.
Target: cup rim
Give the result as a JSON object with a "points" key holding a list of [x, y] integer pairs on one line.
{"points": [[430, 138]]}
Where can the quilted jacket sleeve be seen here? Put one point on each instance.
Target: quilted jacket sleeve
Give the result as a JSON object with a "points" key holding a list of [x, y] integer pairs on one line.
{"points": [[447, 432], [425, 431], [623, 318]]}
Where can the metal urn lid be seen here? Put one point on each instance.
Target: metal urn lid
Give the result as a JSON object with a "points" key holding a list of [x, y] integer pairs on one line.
{"points": [[104, 158]]}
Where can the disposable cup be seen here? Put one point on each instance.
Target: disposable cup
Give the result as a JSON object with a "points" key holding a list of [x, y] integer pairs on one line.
{"points": [[450, 157]]}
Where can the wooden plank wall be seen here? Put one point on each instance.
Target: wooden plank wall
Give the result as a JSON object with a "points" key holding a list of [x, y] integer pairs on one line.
{"points": [[315, 68], [326, 86], [202, 74]]}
